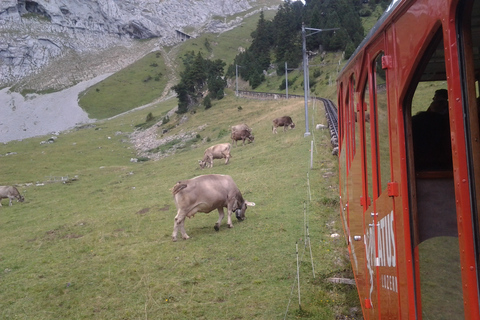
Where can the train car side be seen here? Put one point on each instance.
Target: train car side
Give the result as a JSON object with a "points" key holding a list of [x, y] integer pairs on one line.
{"points": [[409, 170]]}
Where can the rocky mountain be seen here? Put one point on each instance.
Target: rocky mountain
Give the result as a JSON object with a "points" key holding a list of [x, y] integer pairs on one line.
{"points": [[53, 44]]}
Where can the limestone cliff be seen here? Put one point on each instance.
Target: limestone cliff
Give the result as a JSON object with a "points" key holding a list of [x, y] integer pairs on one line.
{"points": [[56, 43]]}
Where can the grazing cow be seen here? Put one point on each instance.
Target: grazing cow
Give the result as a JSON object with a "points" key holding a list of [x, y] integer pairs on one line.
{"points": [[240, 127], [241, 135], [284, 122], [205, 194], [218, 151], [11, 193]]}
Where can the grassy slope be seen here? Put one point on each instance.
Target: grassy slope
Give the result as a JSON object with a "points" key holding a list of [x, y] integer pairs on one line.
{"points": [[134, 86], [100, 247], [144, 81]]}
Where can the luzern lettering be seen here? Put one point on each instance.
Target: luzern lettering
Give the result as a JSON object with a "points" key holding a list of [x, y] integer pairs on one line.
{"points": [[386, 242]]}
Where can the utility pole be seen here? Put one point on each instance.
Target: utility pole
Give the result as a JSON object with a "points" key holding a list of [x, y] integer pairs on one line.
{"points": [[306, 78], [286, 79]]}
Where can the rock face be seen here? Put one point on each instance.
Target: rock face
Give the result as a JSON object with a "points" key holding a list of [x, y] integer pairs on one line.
{"points": [[38, 34]]}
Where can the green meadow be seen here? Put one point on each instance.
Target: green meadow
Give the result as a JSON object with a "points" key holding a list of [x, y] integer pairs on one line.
{"points": [[93, 238], [98, 245]]}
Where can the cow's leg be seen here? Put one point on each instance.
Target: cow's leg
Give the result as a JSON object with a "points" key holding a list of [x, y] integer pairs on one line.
{"points": [[229, 218], [227, 157], [210, 158], [179, 224], [10, 201], [274, 129], [221, 214]]}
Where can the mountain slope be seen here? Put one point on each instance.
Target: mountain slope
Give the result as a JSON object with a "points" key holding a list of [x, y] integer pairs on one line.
{"points": [[52, 44]]}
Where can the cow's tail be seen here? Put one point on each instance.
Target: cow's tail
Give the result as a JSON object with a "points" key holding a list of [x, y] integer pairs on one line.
{"points": [[178, 187]]}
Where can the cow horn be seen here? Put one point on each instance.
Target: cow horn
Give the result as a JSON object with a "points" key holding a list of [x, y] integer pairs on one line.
{"points": [[250, 204]]}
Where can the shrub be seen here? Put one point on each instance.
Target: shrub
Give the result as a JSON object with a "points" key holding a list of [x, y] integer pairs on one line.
{"points": [[149, 117], [165, 120], [207, 102]]}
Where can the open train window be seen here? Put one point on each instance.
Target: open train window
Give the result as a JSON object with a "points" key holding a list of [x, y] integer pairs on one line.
{"points": [[368, 144], [432, 189], [351, 117], [382, 124]]}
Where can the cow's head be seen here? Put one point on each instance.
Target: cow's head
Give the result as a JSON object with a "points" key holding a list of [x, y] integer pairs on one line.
{"points": [[202, 163], [240, 211], [21, 198], [251, 138], [292, 125]]}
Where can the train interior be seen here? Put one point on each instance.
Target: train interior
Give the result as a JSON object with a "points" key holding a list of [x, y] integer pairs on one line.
{"points": [[432, 189]]}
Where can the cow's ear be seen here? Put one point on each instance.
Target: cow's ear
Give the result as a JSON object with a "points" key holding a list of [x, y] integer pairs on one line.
{"points": [[250, 204]]}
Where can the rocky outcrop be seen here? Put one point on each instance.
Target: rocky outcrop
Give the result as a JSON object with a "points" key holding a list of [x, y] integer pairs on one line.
{"points": [[38, 34]]}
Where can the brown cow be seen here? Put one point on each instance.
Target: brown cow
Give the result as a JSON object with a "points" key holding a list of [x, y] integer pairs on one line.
{"points": [[218, 151], [11, 193], [205, 194], [241, 135], [240, 127], [284, 122]]}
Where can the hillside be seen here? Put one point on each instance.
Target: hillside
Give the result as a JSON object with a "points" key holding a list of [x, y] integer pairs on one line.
{"points": [[97, 245], [93, 238], [53, 44], [31, 114]]}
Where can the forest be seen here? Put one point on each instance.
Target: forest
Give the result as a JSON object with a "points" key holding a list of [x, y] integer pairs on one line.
{"points": [[276, 42]]}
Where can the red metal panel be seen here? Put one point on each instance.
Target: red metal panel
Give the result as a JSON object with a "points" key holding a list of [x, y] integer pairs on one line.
{"points": [[461, 178], [408, 31]]}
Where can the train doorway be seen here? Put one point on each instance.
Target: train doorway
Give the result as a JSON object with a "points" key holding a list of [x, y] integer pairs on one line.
{"points": [[437, 265]]}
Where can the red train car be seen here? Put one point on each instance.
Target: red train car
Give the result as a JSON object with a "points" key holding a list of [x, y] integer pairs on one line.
{"points": [[409, 165]]}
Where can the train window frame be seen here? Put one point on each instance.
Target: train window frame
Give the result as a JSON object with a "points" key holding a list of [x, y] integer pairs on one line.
{"points": [[470, 78], [431, 188], [368, 143], [381, 125], [351, 117]]}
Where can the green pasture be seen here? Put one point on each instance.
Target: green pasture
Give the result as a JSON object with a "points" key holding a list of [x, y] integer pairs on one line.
{"points": [[134, 86], [98, 246]]}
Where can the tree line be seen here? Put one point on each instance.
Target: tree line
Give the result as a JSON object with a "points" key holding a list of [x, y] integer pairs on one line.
{"points": [[276, 42]]}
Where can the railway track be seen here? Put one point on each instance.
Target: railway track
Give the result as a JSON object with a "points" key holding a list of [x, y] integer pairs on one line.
{"points": [[332, 119]]}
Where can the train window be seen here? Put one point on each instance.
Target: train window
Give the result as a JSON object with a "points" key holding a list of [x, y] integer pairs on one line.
{"points": [[381, 116], [368, 143], [342, 151], [351, 117], [357, 127]]}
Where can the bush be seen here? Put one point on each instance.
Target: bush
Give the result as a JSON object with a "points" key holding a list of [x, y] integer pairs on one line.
{"points": [[149, 117], [365, 12], [165, 120], [207, 102]]}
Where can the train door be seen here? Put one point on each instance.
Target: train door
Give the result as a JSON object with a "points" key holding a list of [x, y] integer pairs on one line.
{"points": [[432, 195], [379, 216], [441, 218]]}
